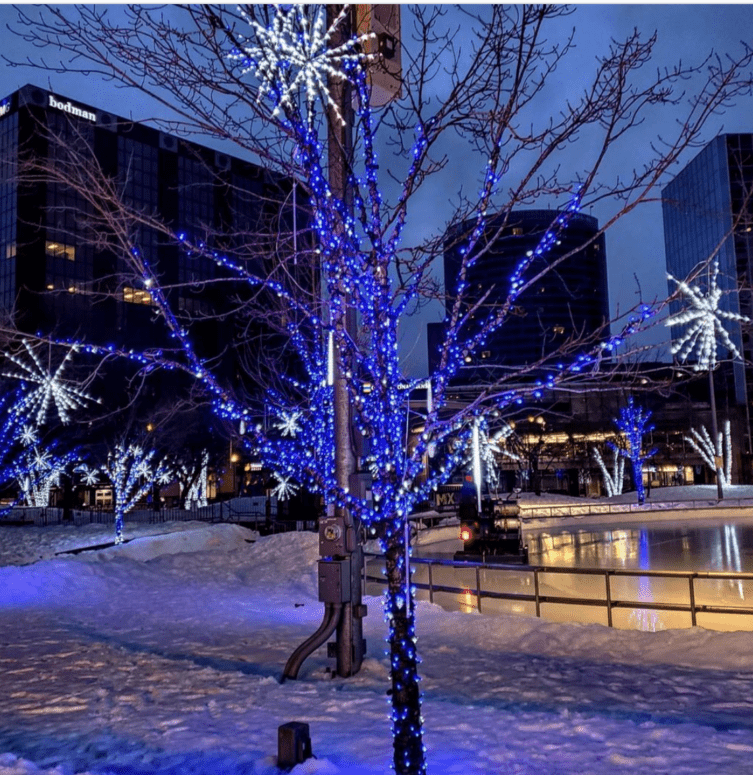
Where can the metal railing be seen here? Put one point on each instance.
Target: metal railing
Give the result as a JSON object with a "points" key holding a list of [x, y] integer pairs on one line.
{"points": [[529, 511], [608, 600], [223, 512]]}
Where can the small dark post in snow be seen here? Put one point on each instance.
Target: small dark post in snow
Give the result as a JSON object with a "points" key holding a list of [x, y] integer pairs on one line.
{"points": [[293, 744]]}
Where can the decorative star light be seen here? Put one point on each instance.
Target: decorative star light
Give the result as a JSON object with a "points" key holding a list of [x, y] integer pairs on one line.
{"points": [[51, 389], [285, 487], [288, 424], [90, 475], [704, 317], [295, 55], [28, 435], [142, 468], [42, 459]]}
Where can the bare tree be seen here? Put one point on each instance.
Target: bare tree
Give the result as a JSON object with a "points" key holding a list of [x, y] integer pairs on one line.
{"points": [[257, 78]]}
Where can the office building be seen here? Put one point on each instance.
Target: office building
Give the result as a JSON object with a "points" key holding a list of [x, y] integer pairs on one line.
{"points": [[708, 213], [63, 273], [569, 301]]}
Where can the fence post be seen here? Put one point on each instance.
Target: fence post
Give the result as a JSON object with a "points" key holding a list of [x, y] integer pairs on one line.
{"points": [[536, 591], [431, 584], [692, 600], [478, 589], [609, 599]]}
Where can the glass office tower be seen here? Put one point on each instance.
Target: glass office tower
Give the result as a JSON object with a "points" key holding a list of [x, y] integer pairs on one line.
{"points": [[707, 212], [571, 300]]}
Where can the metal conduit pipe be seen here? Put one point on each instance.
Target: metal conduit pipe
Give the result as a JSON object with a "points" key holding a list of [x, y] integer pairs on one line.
{"points": [[332, 613]]}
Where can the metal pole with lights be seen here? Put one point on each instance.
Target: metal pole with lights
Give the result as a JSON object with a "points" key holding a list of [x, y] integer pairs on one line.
{"points": [[384, 22], [341, 564]]}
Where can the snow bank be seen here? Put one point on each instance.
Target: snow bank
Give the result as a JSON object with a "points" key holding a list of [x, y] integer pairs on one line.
{"points": [[163, 657]]}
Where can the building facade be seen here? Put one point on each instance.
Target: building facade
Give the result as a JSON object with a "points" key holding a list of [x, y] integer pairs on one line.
{"points": [[570, 301], [63, 272], [60, 272], [708, 212]]}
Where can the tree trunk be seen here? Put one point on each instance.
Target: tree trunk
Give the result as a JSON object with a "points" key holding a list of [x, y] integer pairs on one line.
{"points": [[118, 524], [409, 752], [638, 480]]}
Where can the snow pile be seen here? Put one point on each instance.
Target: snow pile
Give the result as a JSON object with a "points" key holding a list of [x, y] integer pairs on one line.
{"points": [[195, 538], [163, 657], [22, 545]]}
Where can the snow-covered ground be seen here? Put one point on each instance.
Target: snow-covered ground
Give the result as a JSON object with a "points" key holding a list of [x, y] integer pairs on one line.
{"points": [[163, 657]]}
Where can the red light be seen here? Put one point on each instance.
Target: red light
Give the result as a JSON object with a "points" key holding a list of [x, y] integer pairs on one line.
{"points": [[465, 534]]}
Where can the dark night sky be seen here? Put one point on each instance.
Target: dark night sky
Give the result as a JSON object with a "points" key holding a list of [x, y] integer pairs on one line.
{"points": [[635, 246]]}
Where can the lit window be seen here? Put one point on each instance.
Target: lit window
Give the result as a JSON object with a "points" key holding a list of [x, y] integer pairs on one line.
{"points": [[517, 231], [558, 329], [59, 250], [137, 296], [10, 250]]}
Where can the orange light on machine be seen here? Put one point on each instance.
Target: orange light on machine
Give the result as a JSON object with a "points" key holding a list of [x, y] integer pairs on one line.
{"points": [[465, 534]]}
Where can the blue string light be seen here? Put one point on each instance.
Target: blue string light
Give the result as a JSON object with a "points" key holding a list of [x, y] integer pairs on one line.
{"points": [[633, 424]]}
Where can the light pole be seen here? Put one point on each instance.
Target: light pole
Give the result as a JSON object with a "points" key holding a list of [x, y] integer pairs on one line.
{"points": [[341, 555], [704, 317]]}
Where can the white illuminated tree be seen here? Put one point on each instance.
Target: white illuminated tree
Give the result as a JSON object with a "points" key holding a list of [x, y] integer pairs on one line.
{"points": [[614, 479], [197, 481], [132, 471], [38, 470], [704, 319], [492, 444], [701, 441]]}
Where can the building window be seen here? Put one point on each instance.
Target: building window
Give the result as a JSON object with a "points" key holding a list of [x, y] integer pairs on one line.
{"points": [[59, 250], [517, 231], [137, 296], [10, 250], [558, 329]]}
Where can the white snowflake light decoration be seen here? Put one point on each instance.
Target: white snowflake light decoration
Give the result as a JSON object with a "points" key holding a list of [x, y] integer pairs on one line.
{"points": [[704, 318], [90, 476], [295, 56], [288, 424], [50, 391], [285, 488], [28, 435]]}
